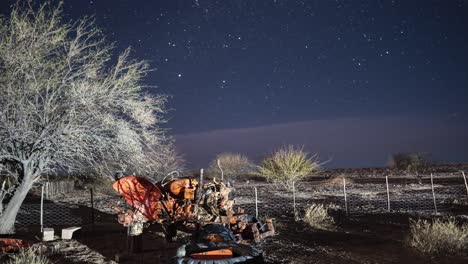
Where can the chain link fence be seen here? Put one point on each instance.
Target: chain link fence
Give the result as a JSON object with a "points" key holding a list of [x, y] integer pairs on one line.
{"points": [[53, 213], [355, 198]]}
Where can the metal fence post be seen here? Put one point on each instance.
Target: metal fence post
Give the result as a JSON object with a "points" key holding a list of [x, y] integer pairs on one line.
{"points": [[345, 199], [433, 194], [256, 202], [294, 199], [466, 184], [42, 209], [388, 194], [47, 190], [92, 205]]}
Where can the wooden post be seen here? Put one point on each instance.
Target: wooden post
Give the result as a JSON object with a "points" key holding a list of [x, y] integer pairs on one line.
{"points": [[466, 184], [92, 205], [42, 209], [345, 199], [388, 194], [256, 202], [433, 194], [294, 198]]}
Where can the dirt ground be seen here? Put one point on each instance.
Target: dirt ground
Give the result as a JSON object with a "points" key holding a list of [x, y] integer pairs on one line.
{"points": [[362, 237]]}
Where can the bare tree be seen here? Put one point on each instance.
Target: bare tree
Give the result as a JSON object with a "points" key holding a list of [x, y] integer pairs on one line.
{"points": [[63, 108], [6, 189], [167, 161]]}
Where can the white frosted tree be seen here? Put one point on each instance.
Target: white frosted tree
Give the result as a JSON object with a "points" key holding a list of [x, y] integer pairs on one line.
{"points": [[67, 107]]}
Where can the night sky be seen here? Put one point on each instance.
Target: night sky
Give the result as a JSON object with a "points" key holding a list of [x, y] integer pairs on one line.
{"points": [[352, 80]]}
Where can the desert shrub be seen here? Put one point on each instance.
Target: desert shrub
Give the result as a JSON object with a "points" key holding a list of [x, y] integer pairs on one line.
{"points": [[287, 166], [338, 181], [29, 256], [233, 165], [317, 216], [440, 237], [409, 162]]}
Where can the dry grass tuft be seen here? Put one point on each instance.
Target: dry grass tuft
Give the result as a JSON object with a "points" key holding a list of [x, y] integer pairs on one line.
{"points": [[337, 181], [440, 237], [317, 216], [29, 256]]}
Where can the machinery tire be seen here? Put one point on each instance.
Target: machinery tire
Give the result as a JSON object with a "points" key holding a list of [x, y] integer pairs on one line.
{"points": [[242, 253]]}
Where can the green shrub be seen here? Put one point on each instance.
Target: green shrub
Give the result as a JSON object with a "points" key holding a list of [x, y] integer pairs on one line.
{"points": [[317, 216], [29, 256], [287, 166], [440, 237]]}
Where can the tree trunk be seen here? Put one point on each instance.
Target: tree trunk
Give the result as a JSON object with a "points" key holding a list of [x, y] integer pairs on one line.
{"points": [[8, 217]]}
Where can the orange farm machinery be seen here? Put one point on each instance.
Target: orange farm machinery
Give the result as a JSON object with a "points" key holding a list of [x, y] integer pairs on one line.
{"points": [[220, 230]]}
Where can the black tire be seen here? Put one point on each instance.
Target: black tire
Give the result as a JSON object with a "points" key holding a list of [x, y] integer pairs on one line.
{"points": [[242, 253]]}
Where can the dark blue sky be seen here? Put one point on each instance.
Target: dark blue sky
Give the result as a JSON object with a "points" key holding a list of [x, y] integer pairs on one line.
{"points": [[233, 64]]}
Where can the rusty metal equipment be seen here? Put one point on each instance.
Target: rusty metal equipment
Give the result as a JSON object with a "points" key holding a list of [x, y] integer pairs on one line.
{"points": [[185, 204], [13, 244]]}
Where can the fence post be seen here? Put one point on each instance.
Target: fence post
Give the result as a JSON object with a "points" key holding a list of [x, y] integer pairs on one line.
{"points": [[388, 194], [466, 184], [433, 194], [42, 209], [294, 198], [256, 202], [345, 199], [92, 205], [47, 190]]}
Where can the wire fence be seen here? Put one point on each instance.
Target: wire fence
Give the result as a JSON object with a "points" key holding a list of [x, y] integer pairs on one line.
{"points": [[39, 210], [53, 215], [54, 188], [264, 199], [384, 195]]}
